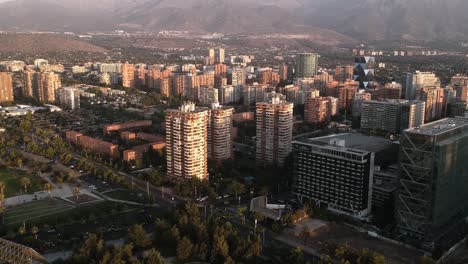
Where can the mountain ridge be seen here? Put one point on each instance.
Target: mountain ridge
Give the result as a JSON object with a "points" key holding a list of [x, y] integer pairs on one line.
{"points": [[359, 19]]}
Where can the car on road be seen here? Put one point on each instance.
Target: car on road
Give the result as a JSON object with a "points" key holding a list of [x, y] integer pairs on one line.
{"points": [[202, 199]]}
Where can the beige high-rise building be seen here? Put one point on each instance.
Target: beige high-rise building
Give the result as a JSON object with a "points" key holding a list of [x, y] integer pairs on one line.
{"points": [[187, 142], [360, 97], [208, 95], [165, 85], [254, 93], [128, 75], [105, 78], [6, 87], [344, 73], [220, 132], [238, 76], [283, 72], [227, 94], [44, 86], [418, 80], [320, 109], [28, 78], [211, 57], [140, 76], [434, 97], [274, 131], [69, 97], [220, 55]]}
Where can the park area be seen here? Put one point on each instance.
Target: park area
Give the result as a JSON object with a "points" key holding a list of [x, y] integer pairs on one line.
{"points": [[35, 210], [12, 180], [327, 238]]}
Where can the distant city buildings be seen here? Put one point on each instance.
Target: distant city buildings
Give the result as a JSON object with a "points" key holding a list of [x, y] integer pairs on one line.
{"points": [[38, 63], [110, 67], [360, 97], [436, 105], [41, 85], [12, 66], [211, 57], [105, 78], [274, 131], [418, 80], [208, 95], [320, 109], [69, 97], [268, 76], [254, 93], [344, 73], [459, 80], [392, 116], [238, 76], [283, 72], [220, 56]]}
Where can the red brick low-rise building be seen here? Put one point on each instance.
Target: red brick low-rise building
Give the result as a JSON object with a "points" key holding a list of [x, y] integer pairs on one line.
{"points": [[136, 153], [93, 144], [128, 125], [127, 136]]}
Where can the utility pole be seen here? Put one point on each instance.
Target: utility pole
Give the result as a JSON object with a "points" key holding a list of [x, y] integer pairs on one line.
{"points": [[263, 240], [147, 189]]}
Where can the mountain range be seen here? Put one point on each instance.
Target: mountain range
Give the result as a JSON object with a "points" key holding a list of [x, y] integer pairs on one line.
{"points": [[359, 19]]}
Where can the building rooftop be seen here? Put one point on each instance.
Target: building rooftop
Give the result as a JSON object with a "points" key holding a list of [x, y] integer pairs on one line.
{"points": [[393, 101], [355, 141], [440, 127]]}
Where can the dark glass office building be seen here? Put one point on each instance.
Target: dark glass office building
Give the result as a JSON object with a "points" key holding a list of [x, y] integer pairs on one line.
{"points": [[432, 201]]}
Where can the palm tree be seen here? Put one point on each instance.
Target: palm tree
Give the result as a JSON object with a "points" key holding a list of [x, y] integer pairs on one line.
{"points": [[25, 182], [2, 212], [76, 191], [19, 162], [2, 189], [21, 230], [241, 212], [34, 231], [305, 233], [48, 188]]}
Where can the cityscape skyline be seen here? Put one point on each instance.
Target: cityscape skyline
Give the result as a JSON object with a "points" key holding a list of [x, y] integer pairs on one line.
{"points": [[222, 131]]}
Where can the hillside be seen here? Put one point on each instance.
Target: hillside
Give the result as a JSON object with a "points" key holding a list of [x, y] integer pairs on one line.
{"points": [[360, 19], [43, 43]]}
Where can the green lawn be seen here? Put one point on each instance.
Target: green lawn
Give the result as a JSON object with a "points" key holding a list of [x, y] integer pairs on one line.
{"points": [[11, 178], [35, 210]]}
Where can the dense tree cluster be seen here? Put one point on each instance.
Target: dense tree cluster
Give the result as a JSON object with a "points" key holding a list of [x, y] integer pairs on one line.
{"points": [[191, 238]]}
